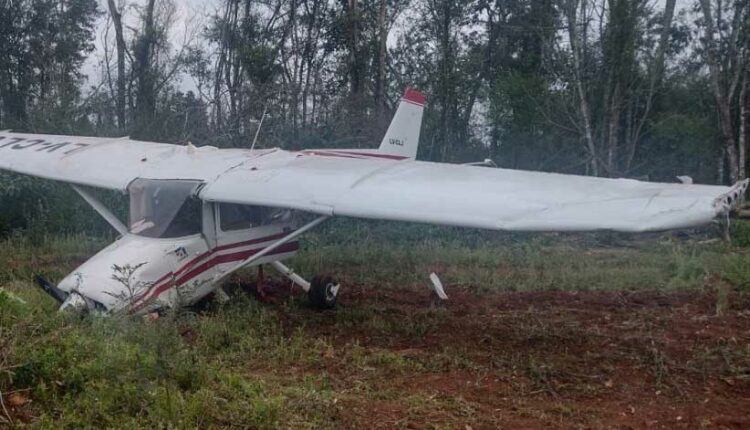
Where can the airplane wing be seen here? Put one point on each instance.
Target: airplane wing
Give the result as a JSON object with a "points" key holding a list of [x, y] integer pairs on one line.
{"points": [[115, 162], [469, 196], [112, 163], [370, 184]]}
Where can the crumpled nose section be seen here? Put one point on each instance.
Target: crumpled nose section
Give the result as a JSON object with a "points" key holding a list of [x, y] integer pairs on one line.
{"points": [[89, 290], [76, 303], [115, 277]]}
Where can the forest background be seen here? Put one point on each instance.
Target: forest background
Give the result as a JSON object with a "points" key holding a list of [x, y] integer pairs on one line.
{"points": [[613, 88]]}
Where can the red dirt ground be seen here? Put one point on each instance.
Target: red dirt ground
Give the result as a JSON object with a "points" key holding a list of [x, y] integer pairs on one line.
{"points": [[545, 360]]}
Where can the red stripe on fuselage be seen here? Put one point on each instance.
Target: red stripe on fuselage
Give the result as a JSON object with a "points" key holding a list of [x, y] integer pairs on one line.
{"points": [[369, 154], [209, 253], [146, 295], [353, 154], [330, 154], [157, 290]]}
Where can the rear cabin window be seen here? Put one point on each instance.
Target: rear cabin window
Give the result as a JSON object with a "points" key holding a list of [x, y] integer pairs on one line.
{"points": [[241, 217]]}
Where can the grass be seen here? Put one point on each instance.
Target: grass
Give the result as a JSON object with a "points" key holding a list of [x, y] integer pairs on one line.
{"points": [[247, 365], [379, 254]]}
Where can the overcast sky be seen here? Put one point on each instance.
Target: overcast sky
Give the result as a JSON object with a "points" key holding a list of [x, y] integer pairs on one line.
{"points": [[190, 16]]}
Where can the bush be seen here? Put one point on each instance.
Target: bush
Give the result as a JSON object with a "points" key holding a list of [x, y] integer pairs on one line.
{"points": [[736, 270], [740, 233]]}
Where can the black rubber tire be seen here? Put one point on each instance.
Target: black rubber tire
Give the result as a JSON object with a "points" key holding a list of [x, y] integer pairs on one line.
{"points": [[320, 292]]}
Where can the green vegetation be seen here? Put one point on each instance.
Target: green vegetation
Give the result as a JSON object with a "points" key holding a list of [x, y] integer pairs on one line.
{"points": [[247, 365]]}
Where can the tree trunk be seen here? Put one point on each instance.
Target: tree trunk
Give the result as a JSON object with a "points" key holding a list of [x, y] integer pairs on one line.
{"points": [[146, 99], [657, 73], [722, 98], [613, 130], [584, 107], [354, 60], [120, 39], [382, 51], [744, 119], [446, 85]]}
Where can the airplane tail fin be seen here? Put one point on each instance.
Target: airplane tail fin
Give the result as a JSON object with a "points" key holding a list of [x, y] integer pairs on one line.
{"points": [[402, 137]]}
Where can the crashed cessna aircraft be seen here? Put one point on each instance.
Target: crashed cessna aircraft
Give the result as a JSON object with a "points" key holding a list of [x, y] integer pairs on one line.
{"points": [[198, 214]]}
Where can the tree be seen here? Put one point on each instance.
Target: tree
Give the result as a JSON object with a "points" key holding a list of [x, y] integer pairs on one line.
{"points": [[726, 55], [43, 44], [116, 17]]}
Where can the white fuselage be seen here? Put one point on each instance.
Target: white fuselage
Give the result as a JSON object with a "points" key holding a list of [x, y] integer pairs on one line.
{"points": [[160, 262], [138, 274]]}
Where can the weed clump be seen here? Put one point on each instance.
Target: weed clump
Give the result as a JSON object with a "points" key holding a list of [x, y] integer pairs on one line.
{"points": [[739, 231]]}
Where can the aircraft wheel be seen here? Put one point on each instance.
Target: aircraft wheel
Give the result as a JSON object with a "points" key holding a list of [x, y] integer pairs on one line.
{"points": [[323, 292]]}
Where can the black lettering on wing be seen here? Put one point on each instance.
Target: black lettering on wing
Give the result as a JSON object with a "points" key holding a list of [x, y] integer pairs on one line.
{"points": [[12, 141], [28, 144], [41, 145], [52, 147], [78, 147]]}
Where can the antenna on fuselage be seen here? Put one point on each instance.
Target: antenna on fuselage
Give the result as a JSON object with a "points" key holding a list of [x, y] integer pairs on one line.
{"points": [[257, 132]]}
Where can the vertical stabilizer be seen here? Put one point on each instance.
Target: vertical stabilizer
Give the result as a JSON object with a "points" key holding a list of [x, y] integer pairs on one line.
{"points": [[402, 137]]}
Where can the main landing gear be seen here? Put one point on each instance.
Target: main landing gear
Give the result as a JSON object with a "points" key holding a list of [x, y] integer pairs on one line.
{"points": [[322, 291]]}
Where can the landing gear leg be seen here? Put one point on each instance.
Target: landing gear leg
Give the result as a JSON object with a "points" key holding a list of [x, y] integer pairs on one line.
{"points": [[289, 273]]}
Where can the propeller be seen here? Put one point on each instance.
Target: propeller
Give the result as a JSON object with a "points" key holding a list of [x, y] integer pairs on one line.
{"points": [[50, 289]]}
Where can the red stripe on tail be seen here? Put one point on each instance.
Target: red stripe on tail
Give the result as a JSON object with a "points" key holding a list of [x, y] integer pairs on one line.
{"points": [[414, 96]]}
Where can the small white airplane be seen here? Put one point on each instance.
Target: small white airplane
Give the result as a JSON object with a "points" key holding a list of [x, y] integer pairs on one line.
{"points": [[198, 214]]}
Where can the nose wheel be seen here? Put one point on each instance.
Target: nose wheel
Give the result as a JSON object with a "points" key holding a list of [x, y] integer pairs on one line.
{"points": [[323, 292]]}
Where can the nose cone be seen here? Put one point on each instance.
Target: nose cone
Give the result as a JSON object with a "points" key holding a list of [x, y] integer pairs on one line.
{"points": [[77, 303], [117, 275]]}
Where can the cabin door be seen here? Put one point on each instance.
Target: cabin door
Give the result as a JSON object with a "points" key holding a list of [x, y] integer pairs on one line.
{"points": [[244, 230]]}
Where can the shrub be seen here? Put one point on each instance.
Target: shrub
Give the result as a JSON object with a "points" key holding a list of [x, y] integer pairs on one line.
{"points": [[740, 233]]}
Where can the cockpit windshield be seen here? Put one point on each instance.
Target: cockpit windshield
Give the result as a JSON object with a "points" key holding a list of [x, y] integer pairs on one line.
{"points": [[164, 208]]}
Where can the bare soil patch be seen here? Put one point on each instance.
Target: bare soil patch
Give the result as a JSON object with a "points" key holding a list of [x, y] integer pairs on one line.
{"points": [[535, 359]]}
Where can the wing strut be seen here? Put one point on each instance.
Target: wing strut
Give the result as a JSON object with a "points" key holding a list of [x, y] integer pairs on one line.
{"points": [[103, 211]]}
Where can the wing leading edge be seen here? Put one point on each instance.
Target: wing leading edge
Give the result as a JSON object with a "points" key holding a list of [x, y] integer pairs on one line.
{"points": [[113, 162]]}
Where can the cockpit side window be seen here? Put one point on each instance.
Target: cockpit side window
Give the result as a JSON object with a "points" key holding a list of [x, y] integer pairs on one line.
{"points": [[164, 209], [233, 217], [188, 220]]}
